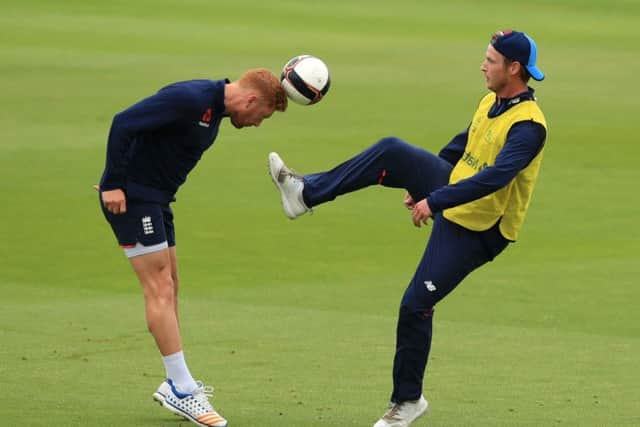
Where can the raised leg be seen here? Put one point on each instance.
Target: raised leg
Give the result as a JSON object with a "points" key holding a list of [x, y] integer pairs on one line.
{"points": [[390, 162]]}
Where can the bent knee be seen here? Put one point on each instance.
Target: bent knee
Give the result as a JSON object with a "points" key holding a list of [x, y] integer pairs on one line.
{"points": [[422, 295], [390, 143], [396, 148]]}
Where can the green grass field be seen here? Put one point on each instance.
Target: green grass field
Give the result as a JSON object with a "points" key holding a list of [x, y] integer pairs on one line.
{"points": [[294, 322]]}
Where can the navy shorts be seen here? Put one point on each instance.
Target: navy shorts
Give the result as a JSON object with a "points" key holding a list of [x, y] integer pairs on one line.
{"points": [[144, 223]]}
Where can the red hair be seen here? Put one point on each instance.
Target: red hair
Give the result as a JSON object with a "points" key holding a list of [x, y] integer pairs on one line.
{"points": [[265, 82]]}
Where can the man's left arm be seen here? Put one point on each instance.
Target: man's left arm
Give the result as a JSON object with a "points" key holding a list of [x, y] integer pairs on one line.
{"points": [[524, 142]]}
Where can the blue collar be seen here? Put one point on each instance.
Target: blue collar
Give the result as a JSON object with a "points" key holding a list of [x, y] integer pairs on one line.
{"points": [[218, 102], [503, 104]]}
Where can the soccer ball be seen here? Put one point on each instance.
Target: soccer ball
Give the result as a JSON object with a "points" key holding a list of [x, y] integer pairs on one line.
{"points": [[305, 79]]}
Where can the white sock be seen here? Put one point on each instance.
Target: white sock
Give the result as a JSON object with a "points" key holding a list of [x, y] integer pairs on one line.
{"points": [[178, 373]]}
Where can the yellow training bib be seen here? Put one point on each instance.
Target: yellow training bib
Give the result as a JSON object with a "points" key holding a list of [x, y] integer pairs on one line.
{"points": [[487, 136]]}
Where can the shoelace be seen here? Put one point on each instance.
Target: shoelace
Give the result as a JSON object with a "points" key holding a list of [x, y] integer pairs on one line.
{"points": [[392, 412], [202, 394], [286, 172]]}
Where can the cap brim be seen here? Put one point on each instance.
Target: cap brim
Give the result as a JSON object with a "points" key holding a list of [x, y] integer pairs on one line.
{"points": [[536, 74]]}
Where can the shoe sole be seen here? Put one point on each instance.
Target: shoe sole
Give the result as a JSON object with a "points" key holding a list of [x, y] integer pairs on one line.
{"points": [[162, 401], [274, 178]]}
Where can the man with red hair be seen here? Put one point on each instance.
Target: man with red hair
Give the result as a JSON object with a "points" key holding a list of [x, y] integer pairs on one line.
{"points": [[152, 147]]}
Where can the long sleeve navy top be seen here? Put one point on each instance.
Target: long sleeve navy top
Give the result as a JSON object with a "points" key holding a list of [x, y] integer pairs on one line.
{"points": [[155, 143], [524, 141]]}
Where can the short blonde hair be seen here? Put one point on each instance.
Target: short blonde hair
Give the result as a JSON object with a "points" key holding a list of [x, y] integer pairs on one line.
{"points": [[265, 82]]}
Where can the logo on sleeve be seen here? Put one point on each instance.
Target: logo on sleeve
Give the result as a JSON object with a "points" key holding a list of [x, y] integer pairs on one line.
{"points": [[205, 120]]}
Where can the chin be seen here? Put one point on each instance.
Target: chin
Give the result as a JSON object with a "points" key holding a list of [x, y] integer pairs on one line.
{"points": [[492, 88]]}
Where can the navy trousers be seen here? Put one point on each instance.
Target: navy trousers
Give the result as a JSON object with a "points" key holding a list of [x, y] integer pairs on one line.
{"points": [[452, 251]]}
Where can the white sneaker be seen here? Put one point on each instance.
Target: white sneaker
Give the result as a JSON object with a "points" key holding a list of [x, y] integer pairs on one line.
{"points": [[195, 406], [290, 186], [403, 414]]}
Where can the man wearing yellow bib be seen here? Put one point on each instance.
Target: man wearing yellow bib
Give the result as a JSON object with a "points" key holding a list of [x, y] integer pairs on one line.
{"points": [[477, 191]]}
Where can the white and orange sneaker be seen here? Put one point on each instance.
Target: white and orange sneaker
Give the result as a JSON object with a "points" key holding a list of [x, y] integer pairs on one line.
{"points": [[195, 406]]}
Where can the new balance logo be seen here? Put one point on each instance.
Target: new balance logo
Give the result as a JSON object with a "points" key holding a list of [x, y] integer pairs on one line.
{"points": [[430, 286], [147, 225]]}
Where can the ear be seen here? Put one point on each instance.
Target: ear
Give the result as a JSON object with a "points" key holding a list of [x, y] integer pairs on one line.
{"points": [[251, 99], [515, 68]]}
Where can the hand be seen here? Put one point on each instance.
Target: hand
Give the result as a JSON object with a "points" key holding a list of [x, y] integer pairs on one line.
{"points": [[421, 213], [408, 201], [113, 200]]}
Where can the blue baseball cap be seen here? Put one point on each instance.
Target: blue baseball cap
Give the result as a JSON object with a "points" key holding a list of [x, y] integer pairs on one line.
{"points": [[518, 46]]}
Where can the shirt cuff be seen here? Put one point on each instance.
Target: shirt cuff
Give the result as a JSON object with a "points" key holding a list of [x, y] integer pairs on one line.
{"points": [[433, 205]]}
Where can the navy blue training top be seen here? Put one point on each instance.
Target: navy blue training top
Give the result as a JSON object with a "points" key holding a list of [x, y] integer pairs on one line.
{"points": [[155, 143], [524, 141]]}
